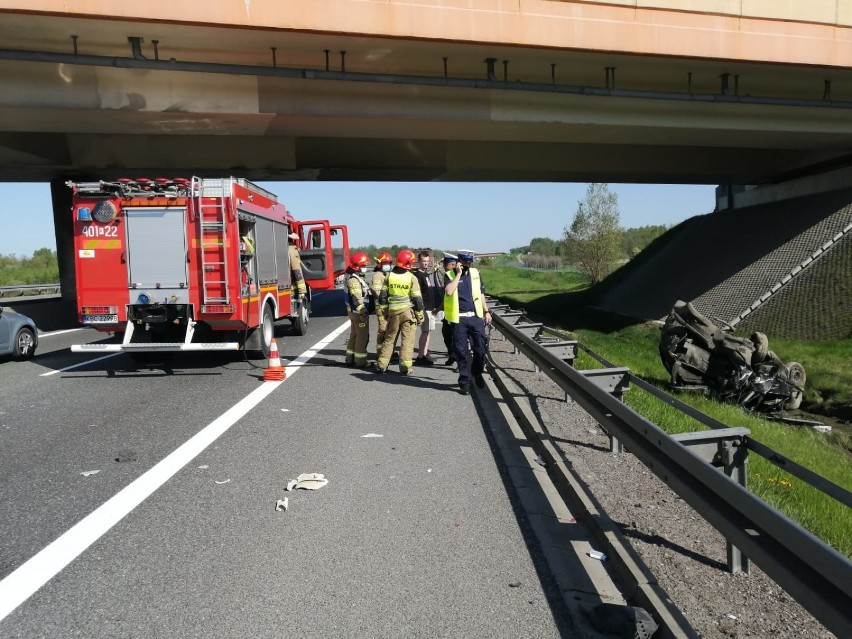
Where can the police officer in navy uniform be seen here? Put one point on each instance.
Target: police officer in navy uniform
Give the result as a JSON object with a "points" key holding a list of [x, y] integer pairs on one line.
{"points": [[465, 307]]}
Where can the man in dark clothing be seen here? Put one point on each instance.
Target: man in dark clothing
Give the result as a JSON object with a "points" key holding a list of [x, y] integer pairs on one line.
{"points": [[430, 291]]}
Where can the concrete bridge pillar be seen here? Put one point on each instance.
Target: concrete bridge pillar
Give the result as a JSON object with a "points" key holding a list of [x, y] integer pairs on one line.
{"points": [[64, 229]]}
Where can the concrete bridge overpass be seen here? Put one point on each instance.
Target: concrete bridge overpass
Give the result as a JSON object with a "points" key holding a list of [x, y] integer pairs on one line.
{"points": [[742, 91]]}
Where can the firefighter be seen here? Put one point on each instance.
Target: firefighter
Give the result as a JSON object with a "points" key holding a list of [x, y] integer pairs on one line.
{"points": [[405, 313], [298, 278], [384, 264], [465, 308], [358, 307]]}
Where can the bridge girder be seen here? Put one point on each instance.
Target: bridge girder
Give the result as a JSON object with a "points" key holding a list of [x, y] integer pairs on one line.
{"points": [[386, 111]]}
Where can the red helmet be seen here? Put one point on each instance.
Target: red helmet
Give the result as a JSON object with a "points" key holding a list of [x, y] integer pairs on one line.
{"points": [[358, 260], [384, 258], [405, 259]]}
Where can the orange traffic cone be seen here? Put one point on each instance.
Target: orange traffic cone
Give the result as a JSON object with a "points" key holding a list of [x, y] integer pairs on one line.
{"points": [[274, 371]]}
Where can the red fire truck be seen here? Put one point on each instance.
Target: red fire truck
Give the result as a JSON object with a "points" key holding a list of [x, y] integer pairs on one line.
{"points": [[194, 264]]}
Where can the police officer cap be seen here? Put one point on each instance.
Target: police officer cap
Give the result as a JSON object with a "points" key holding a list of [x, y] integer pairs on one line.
{"points": [[466, 255], [449, 257]]}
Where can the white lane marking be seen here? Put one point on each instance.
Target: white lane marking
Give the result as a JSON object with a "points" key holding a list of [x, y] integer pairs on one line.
{"points": [[46, 564], [66, 330], [88, 361]]}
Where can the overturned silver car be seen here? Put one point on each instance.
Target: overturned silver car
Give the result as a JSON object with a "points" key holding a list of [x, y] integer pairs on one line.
{"points": [[700, 355]]}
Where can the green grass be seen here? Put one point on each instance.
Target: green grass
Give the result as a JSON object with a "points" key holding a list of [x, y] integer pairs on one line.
{"points": [[560, 300], [525, 285], [828, 366]]}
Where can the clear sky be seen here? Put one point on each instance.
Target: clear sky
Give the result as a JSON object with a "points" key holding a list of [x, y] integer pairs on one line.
{"points": [[485, 217]]}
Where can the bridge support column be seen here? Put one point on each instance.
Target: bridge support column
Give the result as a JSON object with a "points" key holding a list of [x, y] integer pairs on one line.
{"points": [[64, 230]]}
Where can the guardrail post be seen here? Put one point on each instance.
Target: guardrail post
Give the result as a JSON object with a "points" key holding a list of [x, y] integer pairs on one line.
{"points": [[725, 449], [615, 381]]}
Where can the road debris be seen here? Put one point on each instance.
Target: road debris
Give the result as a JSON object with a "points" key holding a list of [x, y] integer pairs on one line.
{"points": [[311, 481], [282, 504], [372, 435], [596, 554], [86, 473], [291, 485], [224, 481]]}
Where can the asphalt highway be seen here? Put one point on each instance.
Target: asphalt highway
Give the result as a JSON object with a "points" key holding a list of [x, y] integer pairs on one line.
{"points": [[419, 532]]}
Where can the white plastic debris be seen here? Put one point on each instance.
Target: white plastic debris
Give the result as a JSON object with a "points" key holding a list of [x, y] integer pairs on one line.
{"points": [[285, 410], [372, 435], [311, 481], [224, 481], [730, 616], [203, 466], [597, 554], [282, 504], [86, 473], [291, 485], [822, 428]]}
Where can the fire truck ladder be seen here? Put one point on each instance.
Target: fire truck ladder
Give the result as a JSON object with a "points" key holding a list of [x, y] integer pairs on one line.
{"points": [[211, 207]]}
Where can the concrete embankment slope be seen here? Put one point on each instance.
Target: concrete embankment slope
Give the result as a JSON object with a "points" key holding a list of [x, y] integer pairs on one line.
{"points": [[729, 262]]}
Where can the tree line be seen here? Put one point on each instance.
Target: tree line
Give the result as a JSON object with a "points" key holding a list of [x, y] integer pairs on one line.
{"points": [[41, 268], [594, 242]]}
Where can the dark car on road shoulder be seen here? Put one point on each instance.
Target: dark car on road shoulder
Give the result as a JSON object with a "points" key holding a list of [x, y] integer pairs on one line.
{"points": [[18, 335]]}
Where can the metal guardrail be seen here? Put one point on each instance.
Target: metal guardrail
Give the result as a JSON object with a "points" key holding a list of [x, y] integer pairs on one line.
{"points": [[811, 571], [28, 289]]}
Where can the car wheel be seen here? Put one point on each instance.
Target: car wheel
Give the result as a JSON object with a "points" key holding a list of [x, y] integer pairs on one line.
{"points": [[24, 346], [796, 375], [761, 348], [793, 402]]}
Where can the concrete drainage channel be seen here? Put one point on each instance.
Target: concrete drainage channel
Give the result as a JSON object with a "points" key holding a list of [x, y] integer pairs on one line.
{"points": [[570, 528]]}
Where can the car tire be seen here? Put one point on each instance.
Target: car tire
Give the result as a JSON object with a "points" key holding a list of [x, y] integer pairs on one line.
{"points": [[796, 375], [793, 402], [761, 348], [24, 345]]}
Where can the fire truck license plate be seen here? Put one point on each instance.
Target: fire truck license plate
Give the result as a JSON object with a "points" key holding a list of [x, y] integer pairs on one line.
{"points": [[100, 319]]}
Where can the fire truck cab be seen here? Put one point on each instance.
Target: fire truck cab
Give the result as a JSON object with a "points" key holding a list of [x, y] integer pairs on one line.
{"points": [[195, 264]]}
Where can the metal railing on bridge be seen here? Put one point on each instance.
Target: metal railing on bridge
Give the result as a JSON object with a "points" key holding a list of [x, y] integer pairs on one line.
{"points": [[814, 573], [22, 290]]}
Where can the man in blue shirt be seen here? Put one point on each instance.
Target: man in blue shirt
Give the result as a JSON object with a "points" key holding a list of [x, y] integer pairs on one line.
{"points": [[465, 307]]}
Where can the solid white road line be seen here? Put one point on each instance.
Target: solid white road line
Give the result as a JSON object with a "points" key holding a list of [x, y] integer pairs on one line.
{"points": [[65, 330], [42, 567], [88, 361]]}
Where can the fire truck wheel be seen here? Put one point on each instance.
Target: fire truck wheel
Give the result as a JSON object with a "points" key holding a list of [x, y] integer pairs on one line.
{"points": [[267, 330], [300, 319]]}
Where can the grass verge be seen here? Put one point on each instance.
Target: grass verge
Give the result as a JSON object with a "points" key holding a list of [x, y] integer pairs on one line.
{"points": [[561, 300]]}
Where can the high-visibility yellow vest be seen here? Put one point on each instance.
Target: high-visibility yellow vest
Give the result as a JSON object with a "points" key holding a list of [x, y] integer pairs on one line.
{"points": [[399, 290], [451, 302]]}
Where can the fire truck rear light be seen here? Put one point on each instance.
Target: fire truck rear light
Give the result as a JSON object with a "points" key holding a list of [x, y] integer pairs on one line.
{"points": [[99, 314], [218, 308], [99, 310]]}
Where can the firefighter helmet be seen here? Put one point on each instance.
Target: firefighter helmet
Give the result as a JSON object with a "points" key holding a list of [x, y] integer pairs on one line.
{"points": [[384, 258], [358, 260], [405, 259]]}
